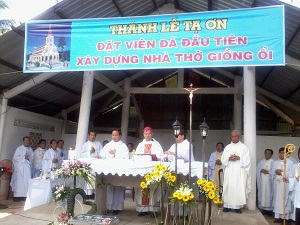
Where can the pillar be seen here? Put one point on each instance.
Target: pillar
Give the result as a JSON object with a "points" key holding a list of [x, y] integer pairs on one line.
{"points": [[237, 105], [250, 128], [85, 108], [125, 110]]}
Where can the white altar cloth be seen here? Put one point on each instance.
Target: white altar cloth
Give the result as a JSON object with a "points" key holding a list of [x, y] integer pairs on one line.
{"points": [[129, 167], [40, 192]]}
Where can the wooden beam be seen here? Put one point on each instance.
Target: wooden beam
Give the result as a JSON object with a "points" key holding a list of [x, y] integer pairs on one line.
{"points": [[135, 90], [108, 83]]}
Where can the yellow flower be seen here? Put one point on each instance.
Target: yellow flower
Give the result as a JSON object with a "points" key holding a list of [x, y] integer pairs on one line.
{"points": [[152, 173], [185, 198], [179, 195], [175, 194], [147, 177], [206, 188], [199, 182], [211, 195], [143, 185], [168, 175], [191, 195], [173, 179], [163, 168], [210, 184], [157, 167], [213, 188]]}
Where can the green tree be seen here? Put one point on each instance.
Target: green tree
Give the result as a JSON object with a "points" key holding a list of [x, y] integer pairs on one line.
{"points": [[5, 24], [62, 44]]}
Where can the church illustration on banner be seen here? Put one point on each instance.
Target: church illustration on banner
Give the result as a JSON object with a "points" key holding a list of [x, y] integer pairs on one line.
{"points": [[46, 56]]}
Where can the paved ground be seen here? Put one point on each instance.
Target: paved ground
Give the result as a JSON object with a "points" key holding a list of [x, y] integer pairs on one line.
{"points": [[41, 215]]}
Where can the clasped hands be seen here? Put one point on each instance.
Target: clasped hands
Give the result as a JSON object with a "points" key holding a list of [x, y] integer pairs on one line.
{"points": [[234, 157]]}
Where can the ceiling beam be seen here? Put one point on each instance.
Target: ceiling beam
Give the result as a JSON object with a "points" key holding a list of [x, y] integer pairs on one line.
{"points": [[62, 87], [278, 99], [170, 91], [100, 77], [107, 90], [10, 65], [117, 7], [28, 84], [272, 107]]}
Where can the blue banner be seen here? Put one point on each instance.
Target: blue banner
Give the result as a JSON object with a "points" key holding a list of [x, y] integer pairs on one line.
{"points": [[242, 37]]}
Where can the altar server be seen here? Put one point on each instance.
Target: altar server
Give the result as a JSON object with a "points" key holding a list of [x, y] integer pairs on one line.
{"points": [[115, 149], [278, 182], [215, 164], [22, 160]]}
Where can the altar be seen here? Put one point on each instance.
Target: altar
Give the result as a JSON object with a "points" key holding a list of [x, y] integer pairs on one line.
{"points": [[129, 173]]}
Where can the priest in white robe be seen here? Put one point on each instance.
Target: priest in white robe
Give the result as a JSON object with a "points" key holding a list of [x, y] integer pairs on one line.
{"points": [[63, 153], [51, 160], [237, 180], [264, 184], [148, 146], [279, 183], [91, 148], [115, 149], [183, 149], [294, 188], [38, 158], [22, 160], [215, 164]]}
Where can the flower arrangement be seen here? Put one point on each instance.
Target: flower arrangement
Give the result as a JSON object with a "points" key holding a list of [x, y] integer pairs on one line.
{"points": [[209, 190], [158, 175], [62, 219], [76, 168], [60, 193], [184, 195]]}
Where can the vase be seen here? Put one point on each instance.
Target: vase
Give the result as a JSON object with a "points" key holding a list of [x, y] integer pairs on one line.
{"points": [[206, 212]]}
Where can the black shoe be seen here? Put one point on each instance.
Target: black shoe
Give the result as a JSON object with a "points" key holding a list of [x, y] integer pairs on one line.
{"points": [[143, 213], [116, 212], [238, 211], [278, 220], [226, 209]]}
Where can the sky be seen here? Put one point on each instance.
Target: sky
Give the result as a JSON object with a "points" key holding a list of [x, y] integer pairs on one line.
{"points": [[23, 10]]}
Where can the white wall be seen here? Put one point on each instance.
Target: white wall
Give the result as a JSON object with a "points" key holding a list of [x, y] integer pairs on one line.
{"points": [[13, 135]]}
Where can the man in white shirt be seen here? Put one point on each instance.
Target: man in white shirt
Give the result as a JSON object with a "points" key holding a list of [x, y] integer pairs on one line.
{"points": [[148, 146], [38, 158], [51, 160], [183, 149], [237, 183], [115, 149], [22, 160], [91, 148], [63, 153], [215, 164], [264, 184]]}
